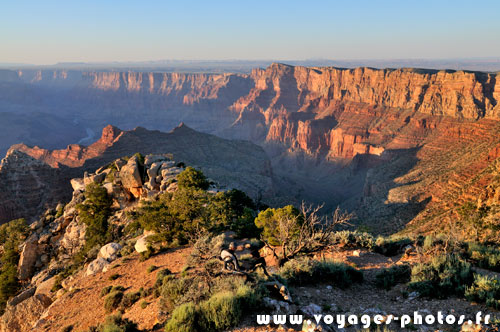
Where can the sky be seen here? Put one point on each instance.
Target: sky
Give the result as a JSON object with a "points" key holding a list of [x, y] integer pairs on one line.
{"points": [[48, 32]]}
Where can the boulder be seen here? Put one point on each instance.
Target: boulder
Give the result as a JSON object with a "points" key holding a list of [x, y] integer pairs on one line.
{"points": [[21, 297], [38, 224], [109, 188], [99, 178], [131, 177], [77, 184], [110, 251], [94, 178], [74, 237], [153, 158], [45, 286], [152, 184], [28, 257], [311, 310], [153, 170], [141, 245], [120, 163], [96, 266], [275, 305], [25, 314]]}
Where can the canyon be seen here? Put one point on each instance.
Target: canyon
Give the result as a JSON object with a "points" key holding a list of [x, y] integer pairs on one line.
{"points": [[399, 147]]}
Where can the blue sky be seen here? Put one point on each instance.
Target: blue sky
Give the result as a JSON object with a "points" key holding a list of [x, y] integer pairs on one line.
{"points": [[46, 32]]}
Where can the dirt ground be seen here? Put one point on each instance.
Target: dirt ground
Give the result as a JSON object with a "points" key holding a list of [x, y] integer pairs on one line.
{"points": [[83, 306], [366, 298]]}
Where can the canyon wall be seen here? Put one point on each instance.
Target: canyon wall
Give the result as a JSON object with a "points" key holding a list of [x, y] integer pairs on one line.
{"points": [[374, 141], [298, 106]]}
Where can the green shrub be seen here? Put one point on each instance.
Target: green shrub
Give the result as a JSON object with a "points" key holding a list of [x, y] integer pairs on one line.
{"points": [[118, 288], [397, 274], [428, 243], [151, 268], [129, 299], [443, 276], [174, 289], [106, 290], [487, 257], [304, 271], [233, 210], [184, 319], [192, 178], [354, 239], [213, 308], [391, 246], [160, 275], [113, 300], [144, 304], [14, 231], [114, 276], [118, 324], [485, 289], [269, 220], [222, 311], [94, 212], [249, 298]]}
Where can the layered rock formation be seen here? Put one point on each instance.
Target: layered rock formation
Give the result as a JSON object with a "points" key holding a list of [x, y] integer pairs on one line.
{"points": [[340, 136]]}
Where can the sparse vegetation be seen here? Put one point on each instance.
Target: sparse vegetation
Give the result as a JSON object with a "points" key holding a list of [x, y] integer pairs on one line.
{"points": [[151, 268], [396, 274], [114, 276], [353, 239], [113, 300], [388, 246], [304, 271], [118, 324], [129, 299], [443, 276], [485, 289], [487, 257], [222, 310], [474, 220]]}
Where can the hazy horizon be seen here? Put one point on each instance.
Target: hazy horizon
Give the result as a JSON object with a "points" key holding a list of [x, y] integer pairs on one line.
{"points": [[51, 32]]}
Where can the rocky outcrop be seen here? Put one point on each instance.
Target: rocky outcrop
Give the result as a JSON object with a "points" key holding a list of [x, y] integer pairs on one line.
{"points": [[22, 316], [96, 266], [141, 245], [131, 178], [28, 257], [110, 251], [29, 186]]}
